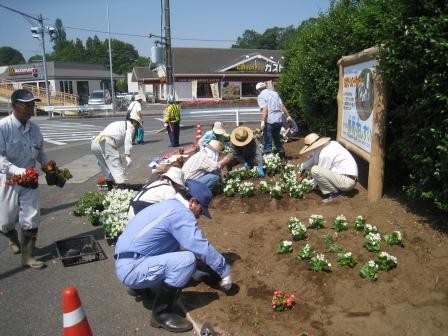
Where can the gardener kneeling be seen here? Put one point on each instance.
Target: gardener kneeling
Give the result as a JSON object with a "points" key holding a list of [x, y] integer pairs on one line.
{"points": [[148, 252]]}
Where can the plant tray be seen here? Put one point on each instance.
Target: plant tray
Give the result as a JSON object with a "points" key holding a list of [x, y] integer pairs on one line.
{"points": [[79, 250]]}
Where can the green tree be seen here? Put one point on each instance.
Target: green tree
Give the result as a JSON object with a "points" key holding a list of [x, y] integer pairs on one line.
{"points": [[60, 31], [35, 58], [9, 56], [123, 56], [249, 40]]}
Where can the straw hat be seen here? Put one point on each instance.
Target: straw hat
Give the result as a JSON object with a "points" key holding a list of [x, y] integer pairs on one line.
{"points": [[313, 141], [218, 129], [216, 145], [176, 175], [138, 97], [241, 136], [137, 119]]}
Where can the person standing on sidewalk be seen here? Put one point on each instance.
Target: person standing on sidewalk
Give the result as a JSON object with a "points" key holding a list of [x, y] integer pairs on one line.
{"points": [[105, 147], [272, 110], [171, 119], [135, 112], [21, 146]]}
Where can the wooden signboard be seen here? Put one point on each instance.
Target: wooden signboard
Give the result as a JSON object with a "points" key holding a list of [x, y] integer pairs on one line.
{"points": [[362, 114]]}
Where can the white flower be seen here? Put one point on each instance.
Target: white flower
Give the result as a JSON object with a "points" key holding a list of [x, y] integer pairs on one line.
{"points": [[287, 243], [371, 263]]}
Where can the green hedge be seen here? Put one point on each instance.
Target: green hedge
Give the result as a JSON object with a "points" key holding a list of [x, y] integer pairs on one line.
{"points": [[413, 41]]}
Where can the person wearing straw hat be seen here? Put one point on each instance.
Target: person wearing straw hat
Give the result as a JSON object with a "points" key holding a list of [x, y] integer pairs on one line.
{"points": [[245, 149], [331, 165], [272, 110], [216, 133], [165, 187], [204, 166], [159, 247], [105, 147]]}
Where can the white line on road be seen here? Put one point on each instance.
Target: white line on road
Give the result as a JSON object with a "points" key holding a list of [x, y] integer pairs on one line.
{"points": [[55, 142]]}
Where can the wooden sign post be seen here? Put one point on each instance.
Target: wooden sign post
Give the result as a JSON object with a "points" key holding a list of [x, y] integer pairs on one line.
{"points": [[362, 114]]}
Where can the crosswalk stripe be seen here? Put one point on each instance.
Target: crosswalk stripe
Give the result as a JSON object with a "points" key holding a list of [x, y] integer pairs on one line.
{"points": [[60, 133]]}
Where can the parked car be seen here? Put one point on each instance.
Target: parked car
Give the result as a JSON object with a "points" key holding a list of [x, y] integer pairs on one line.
{"points": [[130, 95], [100, 97]]}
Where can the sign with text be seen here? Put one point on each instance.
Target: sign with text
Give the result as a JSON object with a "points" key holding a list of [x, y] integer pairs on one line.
{"points": [[357, 104]]}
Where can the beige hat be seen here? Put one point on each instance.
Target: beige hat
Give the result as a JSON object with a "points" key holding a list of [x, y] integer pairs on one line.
{"points": [[218, 129], [313, 141], [138, 97], [176, 175], [241, 136], [137, 119], [216, 145]]}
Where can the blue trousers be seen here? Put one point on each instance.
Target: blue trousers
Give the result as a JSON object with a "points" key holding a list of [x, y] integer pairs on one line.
{"points": [[173, 134], [211, 180], [174, 268], [272, 134]]}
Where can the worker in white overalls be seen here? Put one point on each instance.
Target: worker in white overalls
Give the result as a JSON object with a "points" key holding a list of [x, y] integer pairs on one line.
{"points": [[21, 145], [105, 147]]}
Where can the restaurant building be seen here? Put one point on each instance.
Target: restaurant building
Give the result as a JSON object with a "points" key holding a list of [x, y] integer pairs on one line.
{"points": [[214, 74]]}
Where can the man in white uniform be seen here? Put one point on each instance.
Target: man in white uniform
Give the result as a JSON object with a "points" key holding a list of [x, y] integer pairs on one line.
{"points": [[105, 147], [135, 112], [331, 165], [21, 146]]}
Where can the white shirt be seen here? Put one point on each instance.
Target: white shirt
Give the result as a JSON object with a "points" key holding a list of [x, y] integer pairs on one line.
{"points": [[336, 158], [135, 109], [20, 147], [270, 99], [121, 132]]}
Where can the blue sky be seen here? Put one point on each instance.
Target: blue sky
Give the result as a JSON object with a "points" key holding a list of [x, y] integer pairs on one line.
{"points": [[190, 19]]}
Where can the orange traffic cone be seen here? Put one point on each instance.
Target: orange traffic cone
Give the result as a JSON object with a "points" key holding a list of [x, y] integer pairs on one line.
{"points": [[75, 320], [198, 134]]}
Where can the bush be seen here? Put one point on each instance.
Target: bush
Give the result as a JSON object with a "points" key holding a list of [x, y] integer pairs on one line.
{"points": [[88, 200]]}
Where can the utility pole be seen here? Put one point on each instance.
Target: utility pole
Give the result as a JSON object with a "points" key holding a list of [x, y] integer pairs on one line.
{"points": [[110, 62], [44, 61], [168, 54]]}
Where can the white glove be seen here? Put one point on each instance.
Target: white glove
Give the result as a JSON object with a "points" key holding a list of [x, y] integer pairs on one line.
{"points": [[128, 160], [262, 124], [306, 165], [165, 125], [16, 170], [226, 282], [289, 120]]}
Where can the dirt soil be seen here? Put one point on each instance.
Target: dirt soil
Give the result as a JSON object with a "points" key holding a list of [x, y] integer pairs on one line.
{"points": [[411, 299]]}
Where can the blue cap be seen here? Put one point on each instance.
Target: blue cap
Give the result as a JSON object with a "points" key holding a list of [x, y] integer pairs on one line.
{"points": [[202, 193], [23, 96]]}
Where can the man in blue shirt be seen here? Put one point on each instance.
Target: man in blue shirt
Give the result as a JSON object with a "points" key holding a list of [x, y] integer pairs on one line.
{"points": [[272, 110], [148, 253]]}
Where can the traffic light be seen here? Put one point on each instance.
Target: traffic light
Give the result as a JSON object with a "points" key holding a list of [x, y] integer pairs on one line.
{"points": [[36, 32]]}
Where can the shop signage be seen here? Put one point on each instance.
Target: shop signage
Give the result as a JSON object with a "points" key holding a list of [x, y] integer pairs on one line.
{"points": [[23, 71]]}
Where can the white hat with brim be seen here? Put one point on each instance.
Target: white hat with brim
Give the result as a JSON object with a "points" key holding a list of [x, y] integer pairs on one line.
{"points": [[176, 175], [313, 141], [137, 120], [241, 136], [218, 128], [138, 97]]}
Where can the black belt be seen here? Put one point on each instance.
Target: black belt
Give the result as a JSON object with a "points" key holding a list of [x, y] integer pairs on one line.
{"points": [[354, 178], [127, 255]]}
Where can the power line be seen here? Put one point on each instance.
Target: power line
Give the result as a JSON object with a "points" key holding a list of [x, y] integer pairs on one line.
{"points": [[145, 36]]}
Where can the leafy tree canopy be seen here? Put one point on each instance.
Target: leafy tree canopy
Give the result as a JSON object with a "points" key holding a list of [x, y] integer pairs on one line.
{"points": [[9, 56]]}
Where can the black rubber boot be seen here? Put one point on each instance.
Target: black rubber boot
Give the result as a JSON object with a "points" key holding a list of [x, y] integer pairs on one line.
{"points": [[28, 242], [110, 184], [162, 311], [13, 237]]}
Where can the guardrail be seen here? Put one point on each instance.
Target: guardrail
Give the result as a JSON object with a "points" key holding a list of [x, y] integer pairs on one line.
{"points": [[236, 112], [78, 108]]}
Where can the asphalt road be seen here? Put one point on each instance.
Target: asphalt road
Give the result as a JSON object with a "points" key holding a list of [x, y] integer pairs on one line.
{"points": [[31, 300]]}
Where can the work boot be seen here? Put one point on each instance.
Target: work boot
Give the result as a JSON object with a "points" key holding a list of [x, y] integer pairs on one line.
{"points": [[28, 242], [162, 311], [14, 244]]}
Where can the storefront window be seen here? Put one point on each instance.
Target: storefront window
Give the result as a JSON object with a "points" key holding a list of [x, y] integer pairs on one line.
{"points": [[248, 90], [204, 90]]}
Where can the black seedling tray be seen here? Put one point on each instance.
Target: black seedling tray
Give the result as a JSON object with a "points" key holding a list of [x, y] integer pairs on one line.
{"points": [[79, 250]]}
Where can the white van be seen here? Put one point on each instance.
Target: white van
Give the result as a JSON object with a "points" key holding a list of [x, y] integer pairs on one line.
{"points": [[100, 97]]}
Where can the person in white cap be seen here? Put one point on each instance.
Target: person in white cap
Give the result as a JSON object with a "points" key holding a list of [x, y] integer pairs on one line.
{"points": [[331, 165], [166, 187], [21, 147], [205, 167], [171, 119], [272, 110], [105, 147], [216, 133], [135, 112]]}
